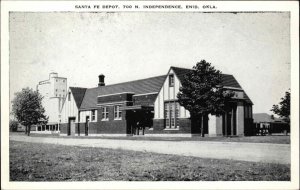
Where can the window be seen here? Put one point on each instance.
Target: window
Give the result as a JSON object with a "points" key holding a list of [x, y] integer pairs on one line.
{"points": [[104, 114], [171, 80], [167, 114], [177, 110], [93, 115], [172, 115], [69, 96], [117, 112]]}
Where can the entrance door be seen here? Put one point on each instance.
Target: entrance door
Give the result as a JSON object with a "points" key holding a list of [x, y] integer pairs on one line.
{"points": [[87, 125], [137, 120], [229, 122], [72, 126], [129, 129]]}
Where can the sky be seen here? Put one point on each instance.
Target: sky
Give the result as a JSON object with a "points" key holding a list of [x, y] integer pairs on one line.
{"points": [[125, 46]]}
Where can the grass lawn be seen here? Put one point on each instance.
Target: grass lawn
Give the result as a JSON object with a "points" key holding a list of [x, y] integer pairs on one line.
{"points": [[48, 162], [278, 139]]}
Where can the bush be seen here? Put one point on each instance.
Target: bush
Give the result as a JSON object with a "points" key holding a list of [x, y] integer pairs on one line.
{"points": [[13, 125]]}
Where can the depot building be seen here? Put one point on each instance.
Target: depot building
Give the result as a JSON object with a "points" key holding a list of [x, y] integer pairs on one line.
{"points": [[149, 107]]}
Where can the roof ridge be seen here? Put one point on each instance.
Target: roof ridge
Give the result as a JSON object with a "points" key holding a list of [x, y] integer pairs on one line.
{"points": [[129, 81], [180, 67], [192, 69]]}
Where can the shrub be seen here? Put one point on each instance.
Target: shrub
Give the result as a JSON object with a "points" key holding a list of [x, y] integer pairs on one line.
{"points": [[13, 125]]}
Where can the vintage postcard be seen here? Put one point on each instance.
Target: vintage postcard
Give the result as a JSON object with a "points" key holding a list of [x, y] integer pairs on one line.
{"points": [[149, 95]]}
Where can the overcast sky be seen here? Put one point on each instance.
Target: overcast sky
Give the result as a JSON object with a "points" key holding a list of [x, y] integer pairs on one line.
{"points": [[254, 47]]}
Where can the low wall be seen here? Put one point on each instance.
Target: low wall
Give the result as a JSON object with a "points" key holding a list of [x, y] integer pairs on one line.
{"points": [[102, 127], [159, 127]]}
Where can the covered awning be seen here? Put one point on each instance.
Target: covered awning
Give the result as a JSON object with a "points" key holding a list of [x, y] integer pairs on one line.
{"points": [[138, 107]]}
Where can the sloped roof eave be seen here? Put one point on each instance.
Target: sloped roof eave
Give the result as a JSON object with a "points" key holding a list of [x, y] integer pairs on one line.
{"points": [[229, 80], [78, 95]]}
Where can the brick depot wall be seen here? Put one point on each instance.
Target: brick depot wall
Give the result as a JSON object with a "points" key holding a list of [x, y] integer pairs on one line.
{"points": [[80, 127], [76, 128], [102, 127], [63, 128], [145, 100], [108, 127], [111, 126], [159, 126]]}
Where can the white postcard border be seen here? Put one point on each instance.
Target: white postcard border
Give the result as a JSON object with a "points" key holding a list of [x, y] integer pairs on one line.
{"points": [[57, 6]]}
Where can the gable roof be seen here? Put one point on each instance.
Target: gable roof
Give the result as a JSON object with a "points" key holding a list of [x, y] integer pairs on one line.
{"points": [[78, 94], [264, 117], [142, 86], [86, 98], [261, 117], [227, 80]]}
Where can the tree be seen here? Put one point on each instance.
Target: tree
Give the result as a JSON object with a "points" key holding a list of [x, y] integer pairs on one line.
{"points": [[283, 109], [201, 93], [27, 108]]}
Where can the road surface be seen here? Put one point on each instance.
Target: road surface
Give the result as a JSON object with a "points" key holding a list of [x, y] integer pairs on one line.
{"points": [[254, 152]]}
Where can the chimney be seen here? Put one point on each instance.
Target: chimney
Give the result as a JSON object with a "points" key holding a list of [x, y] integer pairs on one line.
{"points": [[101, 80]]}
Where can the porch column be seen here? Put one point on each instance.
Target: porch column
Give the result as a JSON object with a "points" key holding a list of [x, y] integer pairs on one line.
{"points": [[240, 119], [214, 125], [231, 127]]}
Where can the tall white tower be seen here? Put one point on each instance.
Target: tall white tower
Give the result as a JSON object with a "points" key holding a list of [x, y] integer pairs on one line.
{"points": [[54, 91]]}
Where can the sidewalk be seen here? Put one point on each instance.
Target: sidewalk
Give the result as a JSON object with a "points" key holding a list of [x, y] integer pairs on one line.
{"points": [[255, 152]]}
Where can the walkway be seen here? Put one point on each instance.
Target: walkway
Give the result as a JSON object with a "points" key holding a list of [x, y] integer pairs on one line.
{"points": [[256, 152]]}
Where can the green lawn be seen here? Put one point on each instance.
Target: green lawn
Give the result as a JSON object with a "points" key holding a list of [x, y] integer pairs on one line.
{"points": [[278, 139], [48, 162]]}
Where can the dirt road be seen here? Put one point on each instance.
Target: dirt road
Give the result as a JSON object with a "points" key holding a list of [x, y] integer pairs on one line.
{"points": [[256, 152]]}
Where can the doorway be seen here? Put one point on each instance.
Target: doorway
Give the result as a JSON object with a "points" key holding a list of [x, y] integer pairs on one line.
{"points": [[71, 126], [138, 120], [87, 121], [229, 121]]}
